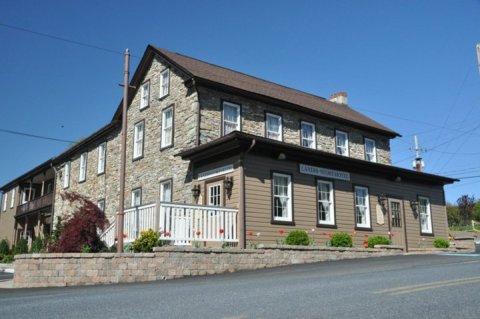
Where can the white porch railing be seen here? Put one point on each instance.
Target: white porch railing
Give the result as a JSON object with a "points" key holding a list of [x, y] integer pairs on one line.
{"points": [[178, 223]]}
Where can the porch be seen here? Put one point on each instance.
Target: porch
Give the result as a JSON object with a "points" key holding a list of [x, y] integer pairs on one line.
{"points": [[179, 224]]}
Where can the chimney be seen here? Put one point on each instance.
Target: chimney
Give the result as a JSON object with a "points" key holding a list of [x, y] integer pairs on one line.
{"points": [[339, 97]]}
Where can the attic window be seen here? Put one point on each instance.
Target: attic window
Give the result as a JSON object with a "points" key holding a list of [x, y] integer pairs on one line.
{"points": [[164, 83]]}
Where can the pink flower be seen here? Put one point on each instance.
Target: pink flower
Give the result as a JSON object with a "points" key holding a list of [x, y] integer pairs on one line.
{"points": [[281, 232], [198, 233], [221, 230]]}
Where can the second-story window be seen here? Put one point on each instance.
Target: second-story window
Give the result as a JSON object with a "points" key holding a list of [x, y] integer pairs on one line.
{"points": [[102, 148], [370, 150], [273, 126], [167, 127], [12, 202], [231, 117], [308, 134], [82, 175], [145, 95], [28, 195], [5, 197], [341, 141], [166, 191], [136, 197], [101, 204], [138, 140], [66, 174], [164, 82]]}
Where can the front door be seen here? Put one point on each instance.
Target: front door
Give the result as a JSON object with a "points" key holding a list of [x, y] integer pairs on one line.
{"points": [[397, 223]]}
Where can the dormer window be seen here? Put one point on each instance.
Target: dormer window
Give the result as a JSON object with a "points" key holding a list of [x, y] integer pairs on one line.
{"points": [[164, 83], [341, 142], [273, 126]]}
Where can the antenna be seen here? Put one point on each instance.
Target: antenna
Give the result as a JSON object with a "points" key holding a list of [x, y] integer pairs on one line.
{"points": [[418, 162]]}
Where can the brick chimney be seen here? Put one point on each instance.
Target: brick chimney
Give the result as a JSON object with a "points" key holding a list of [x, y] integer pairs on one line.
{"points": [[339, 97]]}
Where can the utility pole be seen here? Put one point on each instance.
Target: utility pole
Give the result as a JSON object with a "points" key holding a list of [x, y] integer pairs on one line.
{"points": [[121, 204], [478, 56], [418, 162]]}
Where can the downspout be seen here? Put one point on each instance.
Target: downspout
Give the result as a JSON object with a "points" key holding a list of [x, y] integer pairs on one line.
{"points": [[55, 173], [242, 204]]}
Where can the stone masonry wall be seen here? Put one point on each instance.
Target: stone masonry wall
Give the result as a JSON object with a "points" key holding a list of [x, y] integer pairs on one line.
{"points": [[54, 270], [253, 122]]}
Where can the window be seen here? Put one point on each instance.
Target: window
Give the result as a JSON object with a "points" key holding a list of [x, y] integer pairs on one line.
{"points": [[138, 140], [282, 197], [101, 158], [101, 204], [396, 213], [166, 191], [164, 82], [425, 215], [273, 126], [66, 174], [167, 127], [370, 150], [362, 207], [137, 197], [231, 117], [307, 131], [12, 202], [145, 95], [215, 195], [341, 140], [5, 197], [325, 203], [26, 197], [83, 167]]}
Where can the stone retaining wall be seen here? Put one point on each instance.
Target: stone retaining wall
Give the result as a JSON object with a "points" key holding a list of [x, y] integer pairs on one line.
{"points": [[54, 270]]}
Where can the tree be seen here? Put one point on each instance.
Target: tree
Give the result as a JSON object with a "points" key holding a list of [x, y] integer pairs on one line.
{"points": [[453, 215], [81, 229], [465, 207], [476, 211]]}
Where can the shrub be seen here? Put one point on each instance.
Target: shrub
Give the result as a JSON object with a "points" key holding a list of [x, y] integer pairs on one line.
{"points": [[85, 249], [7, 259], [378, 240], [441, 243], [4, 249], [145, 243], [342, 240], [37, 246], [21, 247], [297, 237], [81, 228]]}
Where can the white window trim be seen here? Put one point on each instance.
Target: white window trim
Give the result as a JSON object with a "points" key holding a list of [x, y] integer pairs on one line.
{"points": [[374, 159], [367, 223], [100, 202], [24, 195], [12, 201], [66, 175], [162, 190], [145, 95], [162, 82], [82, 173], [289, 215], [164, 142], [337, 133], [314, 137], [102, 153], [138, 140], [134, 192], [280, 127], [239, 115], [331, 202], [220, 194], [428, 209], [5, 198]]}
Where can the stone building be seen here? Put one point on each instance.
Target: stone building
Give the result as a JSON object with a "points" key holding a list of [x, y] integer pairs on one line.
{"points": [[242, 159]]}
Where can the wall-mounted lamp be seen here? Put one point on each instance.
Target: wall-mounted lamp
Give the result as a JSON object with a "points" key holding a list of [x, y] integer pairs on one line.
{"points": [[228, 184], [281, 156], [196, 192], [414, 206], [382, 200]]}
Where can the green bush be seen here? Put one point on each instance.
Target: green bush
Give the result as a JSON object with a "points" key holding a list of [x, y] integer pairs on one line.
{"points": [[85, 249], [7, 259], [21, 247], [145, 243], [297, 237], [378, 240], [441, 243], [4, 249], [37, 246], [341, 240]]}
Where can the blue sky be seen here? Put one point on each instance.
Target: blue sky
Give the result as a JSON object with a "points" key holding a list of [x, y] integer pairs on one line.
{"points": [[410, 65]]}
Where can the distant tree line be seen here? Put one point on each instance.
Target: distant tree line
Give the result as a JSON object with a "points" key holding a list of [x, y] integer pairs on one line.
{"points": [[466, 209]]}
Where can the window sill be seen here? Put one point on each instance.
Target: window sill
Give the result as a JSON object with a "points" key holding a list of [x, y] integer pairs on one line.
{"points": [[163, 97], [363, 228], [427, 234], [137, 158], [283, 222], [141, 109], [163, 148], [326, 226]]}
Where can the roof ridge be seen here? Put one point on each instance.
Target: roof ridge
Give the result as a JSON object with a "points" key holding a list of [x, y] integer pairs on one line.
{"points": [[249, 75]]}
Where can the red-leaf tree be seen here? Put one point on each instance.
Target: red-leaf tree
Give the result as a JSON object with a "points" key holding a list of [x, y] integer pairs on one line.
{"points": [[80, 229]]}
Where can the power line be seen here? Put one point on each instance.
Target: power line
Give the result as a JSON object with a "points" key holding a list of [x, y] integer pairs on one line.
{"points": [[35, 136], [54, 37], [467, 177]]}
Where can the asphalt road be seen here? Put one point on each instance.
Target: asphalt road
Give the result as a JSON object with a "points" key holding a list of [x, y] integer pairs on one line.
{"points": [[422, 286]]}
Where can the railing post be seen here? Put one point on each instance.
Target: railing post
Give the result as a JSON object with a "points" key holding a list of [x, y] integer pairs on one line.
{"points": [[156, 218], [137, 222]]}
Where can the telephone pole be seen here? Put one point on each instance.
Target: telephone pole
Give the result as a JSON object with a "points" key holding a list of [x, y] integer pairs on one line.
{"points": [[418, 162]]}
